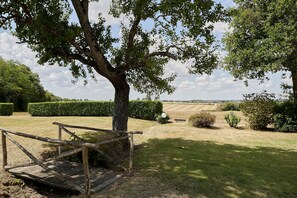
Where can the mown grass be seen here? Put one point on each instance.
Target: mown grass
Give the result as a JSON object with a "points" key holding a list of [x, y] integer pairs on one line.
{"points": [[176, 160], [187, 168]]}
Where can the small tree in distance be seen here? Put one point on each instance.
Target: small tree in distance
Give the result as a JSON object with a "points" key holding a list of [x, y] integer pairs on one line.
{"points": [[180, 30]]}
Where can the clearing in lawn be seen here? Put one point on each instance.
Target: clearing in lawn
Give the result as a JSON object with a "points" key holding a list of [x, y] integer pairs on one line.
{"points": [[176, 160]]}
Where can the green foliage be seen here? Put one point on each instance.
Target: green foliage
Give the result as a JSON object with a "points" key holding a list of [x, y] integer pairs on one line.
{"points": [[229, 106], [180, 30], [162, 118], [145, 109], [6, 109], [202, 119], [232, 119], [285, 119], [137, 109], [19, 85], [263, 39], [259, 109], [71, 108], [50, 97]]}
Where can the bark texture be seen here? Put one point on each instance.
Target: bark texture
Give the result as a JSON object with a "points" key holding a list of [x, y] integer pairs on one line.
{"points": [[121, 106]]}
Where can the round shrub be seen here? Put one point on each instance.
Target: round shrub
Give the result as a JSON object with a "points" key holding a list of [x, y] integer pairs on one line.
{"points": [[232, 119], [259, 109], [202, 119], [163, 118], [229, 106]]}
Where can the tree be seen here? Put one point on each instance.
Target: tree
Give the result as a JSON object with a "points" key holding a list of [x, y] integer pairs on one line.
{"points": [[180, 30], [19, 85], [263, 39]]}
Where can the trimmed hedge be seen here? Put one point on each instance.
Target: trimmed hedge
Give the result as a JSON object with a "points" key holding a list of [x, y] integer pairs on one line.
{"points": [[147, 110], [76, 108], [6, 109], [137, 109]]}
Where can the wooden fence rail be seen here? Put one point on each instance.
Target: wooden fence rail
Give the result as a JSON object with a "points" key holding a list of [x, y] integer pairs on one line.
{"points": [[80, 146]]}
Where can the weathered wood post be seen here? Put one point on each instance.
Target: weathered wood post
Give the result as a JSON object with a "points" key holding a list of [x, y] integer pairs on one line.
{"points": [[60, 138], [85, 156], [131, 152], [4, 149]]}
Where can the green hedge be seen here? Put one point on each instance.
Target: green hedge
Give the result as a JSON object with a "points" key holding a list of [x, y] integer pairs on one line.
{"points": [[6, 109], [145, 109], [77, 108], [138, 109]]}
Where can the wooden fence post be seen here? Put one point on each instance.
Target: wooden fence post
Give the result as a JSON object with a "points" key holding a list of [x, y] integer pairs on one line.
{"points": [[131, 152], [85, 156], [4, 149], [60, 138]]}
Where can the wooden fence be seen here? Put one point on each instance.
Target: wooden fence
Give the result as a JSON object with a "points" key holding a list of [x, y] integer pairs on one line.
{"points": [[80, 146]]}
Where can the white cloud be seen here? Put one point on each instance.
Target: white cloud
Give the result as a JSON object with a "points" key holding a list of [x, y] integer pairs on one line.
{"points": [[220, 27], [187, 85], [103, 8]]}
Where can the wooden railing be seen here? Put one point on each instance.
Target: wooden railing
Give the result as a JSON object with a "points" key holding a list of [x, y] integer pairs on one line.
{"points": [[80, 146]]}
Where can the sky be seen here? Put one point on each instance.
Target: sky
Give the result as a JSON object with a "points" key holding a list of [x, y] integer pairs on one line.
{"points": [[220, 85]]}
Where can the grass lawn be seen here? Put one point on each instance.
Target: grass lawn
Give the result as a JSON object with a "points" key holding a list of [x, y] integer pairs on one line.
{"points": [[176, 160]]}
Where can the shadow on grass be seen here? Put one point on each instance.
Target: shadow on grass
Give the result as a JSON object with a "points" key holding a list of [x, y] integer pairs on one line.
{"points": [[203, 168]]}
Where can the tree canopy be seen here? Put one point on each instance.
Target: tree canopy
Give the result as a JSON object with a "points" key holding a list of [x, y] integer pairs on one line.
{"points": [[180, 30], [19, 85], [263, 39]]}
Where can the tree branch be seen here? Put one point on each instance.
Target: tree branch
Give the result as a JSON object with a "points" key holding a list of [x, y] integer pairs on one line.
{"points": [[165, 54], [79, 49], [132, 34], [77, 57], [81, 8]]}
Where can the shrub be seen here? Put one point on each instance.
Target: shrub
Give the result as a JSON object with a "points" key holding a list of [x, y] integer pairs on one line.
{"points": [[163, 118], [137, 109], [229, 106], [6, 109], [232, 119], [285, 119], [259, 109], [202, 119]]}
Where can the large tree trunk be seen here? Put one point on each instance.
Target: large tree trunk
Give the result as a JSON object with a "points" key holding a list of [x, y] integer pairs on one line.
{"points": [[294, 79], [121, 110], [121, 105]]}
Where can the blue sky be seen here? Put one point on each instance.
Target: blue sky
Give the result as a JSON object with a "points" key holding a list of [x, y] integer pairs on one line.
{"points": [[217, 86]]}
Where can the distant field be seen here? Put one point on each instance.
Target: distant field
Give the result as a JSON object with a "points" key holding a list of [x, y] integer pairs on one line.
{"points": [[184, 110]]}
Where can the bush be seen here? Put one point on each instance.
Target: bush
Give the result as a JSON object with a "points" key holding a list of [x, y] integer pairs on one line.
{"points": [[202, 119], [232, 119], [229, 106], [137, 109], [6, 109], [285, 119], [163, 118], [259, 109]]}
